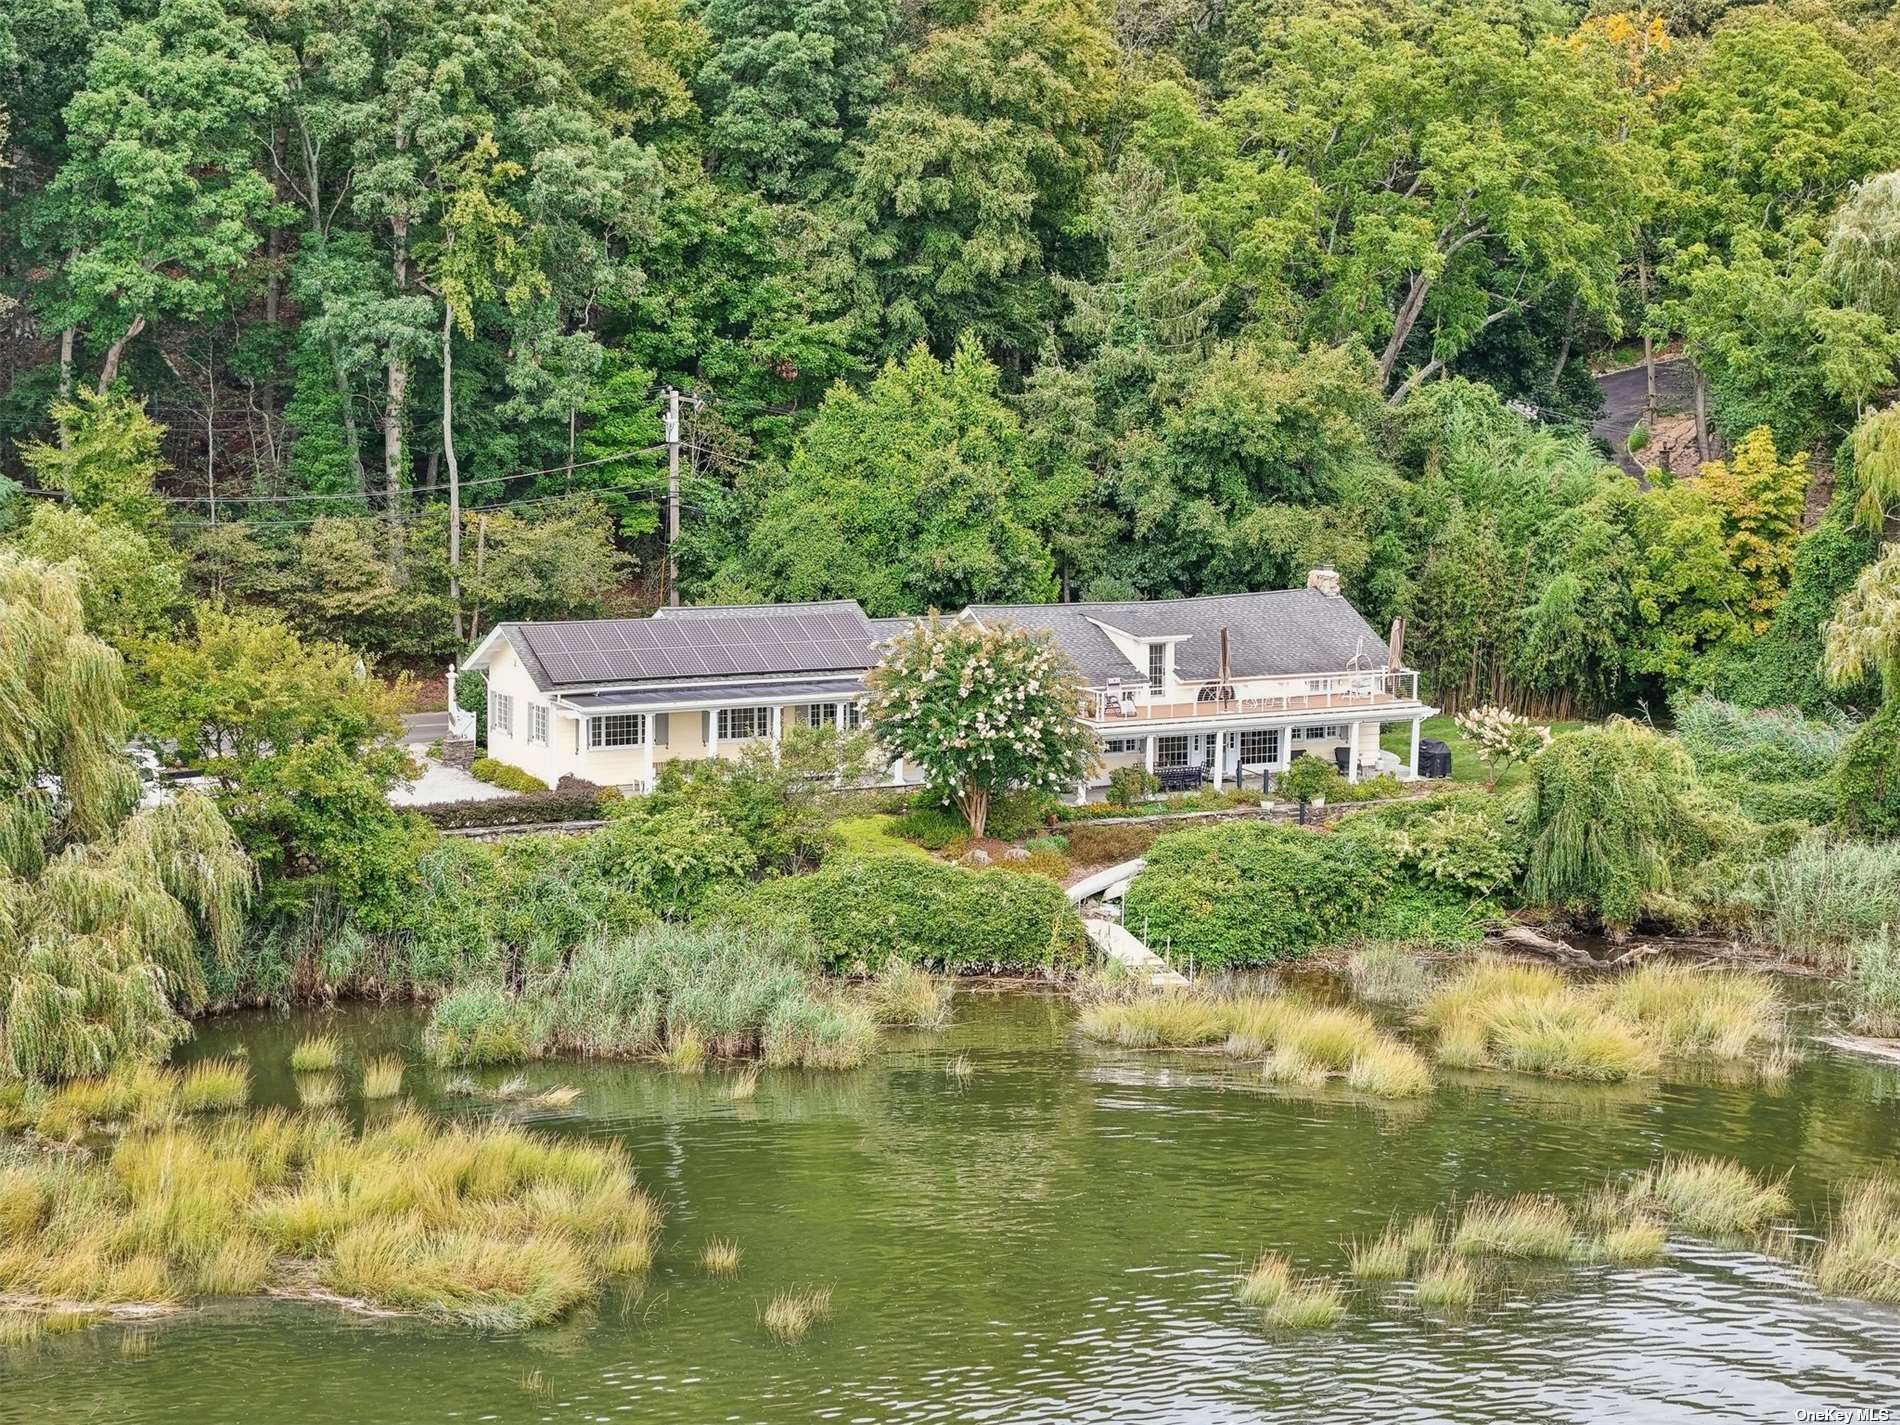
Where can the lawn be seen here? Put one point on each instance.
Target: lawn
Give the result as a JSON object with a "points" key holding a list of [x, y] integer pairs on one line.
{"points": [[872, 833], [1466, 766]]}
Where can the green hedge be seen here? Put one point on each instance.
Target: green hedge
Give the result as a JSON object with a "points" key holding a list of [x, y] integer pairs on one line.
{"points": [[866, 910], [536, 807], [505, 775], [1249, 892]]}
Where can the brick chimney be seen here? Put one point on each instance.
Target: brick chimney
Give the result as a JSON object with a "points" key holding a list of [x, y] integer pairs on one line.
{"points": [[1325, 578]]}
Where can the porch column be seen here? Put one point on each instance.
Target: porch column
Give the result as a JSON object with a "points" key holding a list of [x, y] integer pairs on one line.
{"points": [[1220, 749], [712, 732], [646, 761], [775, 723], [1411, 773], [1151, 754], [1352, 751]]}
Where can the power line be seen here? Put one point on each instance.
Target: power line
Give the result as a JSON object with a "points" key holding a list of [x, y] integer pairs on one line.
{"points": [[414, 489], [403, 516]]}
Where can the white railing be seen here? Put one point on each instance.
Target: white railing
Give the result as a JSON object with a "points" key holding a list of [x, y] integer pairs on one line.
{"points": [[1353, 688]]}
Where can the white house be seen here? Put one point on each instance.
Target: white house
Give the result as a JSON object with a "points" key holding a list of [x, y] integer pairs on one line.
{"points": [[1233, 684]]}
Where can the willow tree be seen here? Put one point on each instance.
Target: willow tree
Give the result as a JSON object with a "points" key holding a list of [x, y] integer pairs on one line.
{"points": [[106, 906], [1861, 641]]}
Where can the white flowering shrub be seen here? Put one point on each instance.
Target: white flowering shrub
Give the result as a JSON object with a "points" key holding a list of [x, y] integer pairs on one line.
{"points": [[1502, 737], [982, 711]]}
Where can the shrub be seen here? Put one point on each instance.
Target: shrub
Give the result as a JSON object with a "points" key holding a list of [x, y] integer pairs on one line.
{"points": [[1251, 892], [932, 828], [501, 774], [1310, 779], [1050, 842], [865, 911], [1050, 864], [1869, 776], [1128, 785], [1107, 845], [571, 804]]}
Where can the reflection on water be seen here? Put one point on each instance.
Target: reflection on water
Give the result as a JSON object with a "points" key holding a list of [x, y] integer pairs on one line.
{"points": [[1054, 1238]]}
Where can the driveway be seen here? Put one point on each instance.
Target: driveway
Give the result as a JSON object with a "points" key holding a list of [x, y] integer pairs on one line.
{"points": [[440, 782], [1626, 393]]}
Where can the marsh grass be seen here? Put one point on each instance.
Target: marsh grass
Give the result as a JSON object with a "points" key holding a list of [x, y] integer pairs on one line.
{"points": [[318, 1053], [1861, 1256], [720, 1257], [1639, 1240], [1308, 1304], [21, 1328], [319, 1090], [1155, 1021], [1294, 1069], [213, 1085], [685, 1052], [743, 1085], [1383, 1258], [1266, 1281], [1299, 1042], [1446, 1282], [1381, 972], [908, 996], [1687, 1013], [791, 1313], [1714, 1196], [489, 1226], [1526, 1226], [1421, 1234], [382, 1076], [515, 1090], [1388, 1069], [959, 1068]]}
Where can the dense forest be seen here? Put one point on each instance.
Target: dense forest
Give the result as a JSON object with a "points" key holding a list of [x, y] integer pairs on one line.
{"points": [[1005, 301]]}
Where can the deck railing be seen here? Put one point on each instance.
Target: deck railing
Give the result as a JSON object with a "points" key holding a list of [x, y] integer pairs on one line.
{"points": [[1354, 688]]}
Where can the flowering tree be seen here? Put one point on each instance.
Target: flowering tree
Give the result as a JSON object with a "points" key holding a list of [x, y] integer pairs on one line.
{"points": [[982, 711], [1503, 738]]}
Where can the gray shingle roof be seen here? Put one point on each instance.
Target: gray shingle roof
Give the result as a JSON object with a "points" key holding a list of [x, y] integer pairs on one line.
{"points": [[1283, 631]]}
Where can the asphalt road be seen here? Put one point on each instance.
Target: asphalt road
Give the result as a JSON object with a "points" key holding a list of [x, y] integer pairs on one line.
{"points": [[1624, 396]]}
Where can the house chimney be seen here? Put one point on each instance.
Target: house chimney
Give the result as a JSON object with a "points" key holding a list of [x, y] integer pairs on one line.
{"points": [[1324, 578]]}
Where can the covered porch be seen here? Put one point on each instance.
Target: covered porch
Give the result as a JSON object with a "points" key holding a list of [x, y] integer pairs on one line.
{"points": [[1243, 751]]}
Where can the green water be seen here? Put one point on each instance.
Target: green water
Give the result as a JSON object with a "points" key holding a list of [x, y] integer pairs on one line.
{"points": [[1054, 1239]]}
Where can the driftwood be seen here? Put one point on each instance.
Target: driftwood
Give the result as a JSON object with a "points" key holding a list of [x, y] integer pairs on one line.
{"points": [[1522, 937]]}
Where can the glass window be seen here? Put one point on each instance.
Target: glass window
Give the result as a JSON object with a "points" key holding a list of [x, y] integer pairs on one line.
{"points": [[501, 714], [736, 724], [853, 717], [617, 730], [818, 715], [1171, 751], [1157, 666], [537, 722], [1260, 744]]}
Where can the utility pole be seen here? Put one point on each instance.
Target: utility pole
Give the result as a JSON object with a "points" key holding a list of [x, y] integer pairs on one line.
{"points": [[673, 399]]}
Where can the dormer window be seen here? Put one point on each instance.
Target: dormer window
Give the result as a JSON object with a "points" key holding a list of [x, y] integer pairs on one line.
{"points": [[1157, 666]]}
